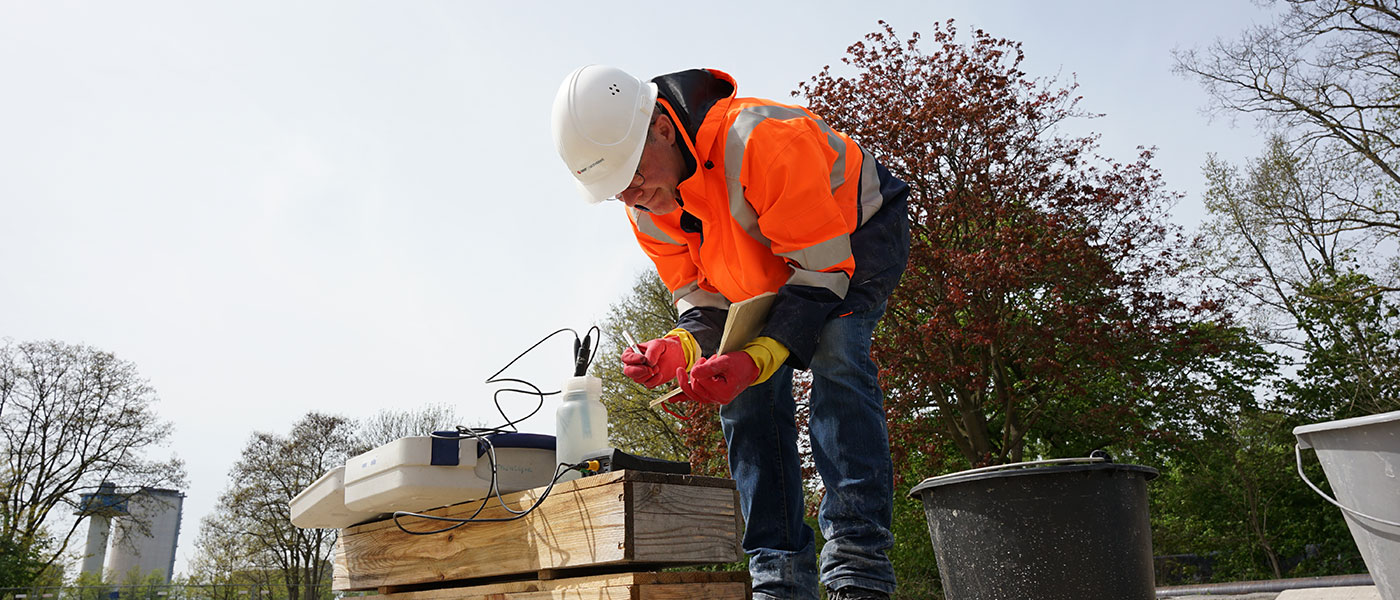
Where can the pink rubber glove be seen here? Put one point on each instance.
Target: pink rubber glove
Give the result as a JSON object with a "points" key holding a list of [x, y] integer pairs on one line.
{"points": [[657, 364], [718, 379]]}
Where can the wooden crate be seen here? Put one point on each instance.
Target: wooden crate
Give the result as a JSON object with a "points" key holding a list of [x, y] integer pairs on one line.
{"points": [[622, 521], [618, 586]]}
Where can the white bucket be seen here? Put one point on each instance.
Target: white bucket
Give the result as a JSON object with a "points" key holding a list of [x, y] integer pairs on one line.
{"points": [[1361, 458]]}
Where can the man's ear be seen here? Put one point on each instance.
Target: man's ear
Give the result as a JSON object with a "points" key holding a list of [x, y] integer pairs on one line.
{"points": [[666, 130]]}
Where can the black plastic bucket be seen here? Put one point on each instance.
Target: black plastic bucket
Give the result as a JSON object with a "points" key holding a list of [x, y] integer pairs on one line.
{"points": [[1071, 532]]}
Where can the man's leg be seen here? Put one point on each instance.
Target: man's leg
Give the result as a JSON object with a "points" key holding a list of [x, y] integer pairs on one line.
{"points": [[850, 445], [761, 431]]}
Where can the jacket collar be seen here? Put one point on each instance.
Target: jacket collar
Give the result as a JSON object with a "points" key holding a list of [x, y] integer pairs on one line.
{"points": [[692, 94]]}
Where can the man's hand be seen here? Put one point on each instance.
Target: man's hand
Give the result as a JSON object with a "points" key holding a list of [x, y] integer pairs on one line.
{"points": [[657, 364], [718, 379]]}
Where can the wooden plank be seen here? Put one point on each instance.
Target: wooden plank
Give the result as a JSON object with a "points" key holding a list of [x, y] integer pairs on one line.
{"points": [[340, 575], [574, 527], [692, 591], [467, 508], [589, 522], [691, 524], [623, 586]]}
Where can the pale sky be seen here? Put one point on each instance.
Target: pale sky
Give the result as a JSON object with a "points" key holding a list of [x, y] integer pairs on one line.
{"points": [[345, 206]]}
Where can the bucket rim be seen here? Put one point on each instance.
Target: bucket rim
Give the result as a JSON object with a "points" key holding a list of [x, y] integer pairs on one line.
{"points": [[966, 476], [1362, 421]]}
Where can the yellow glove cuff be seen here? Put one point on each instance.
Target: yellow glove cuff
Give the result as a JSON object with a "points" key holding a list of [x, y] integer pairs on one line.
{"points": [[688, 343], [768, 354]]}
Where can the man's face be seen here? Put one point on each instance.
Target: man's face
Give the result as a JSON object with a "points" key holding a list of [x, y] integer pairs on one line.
{"points": [[654, 187]]}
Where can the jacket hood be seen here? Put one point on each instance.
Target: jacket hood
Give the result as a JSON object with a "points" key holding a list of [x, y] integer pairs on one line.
{"points": [[692, 93]]}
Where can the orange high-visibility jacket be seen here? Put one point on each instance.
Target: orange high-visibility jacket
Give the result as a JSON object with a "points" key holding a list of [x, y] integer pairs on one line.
{"points": [[771, 206]]}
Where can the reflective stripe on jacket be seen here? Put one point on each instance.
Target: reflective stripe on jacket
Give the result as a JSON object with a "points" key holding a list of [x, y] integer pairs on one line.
{"points": [[774, 199]]}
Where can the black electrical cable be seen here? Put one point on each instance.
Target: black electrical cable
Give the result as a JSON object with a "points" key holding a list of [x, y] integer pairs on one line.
{"points": [[583, 358], [458, 521], [584, 352], [494, 485]]}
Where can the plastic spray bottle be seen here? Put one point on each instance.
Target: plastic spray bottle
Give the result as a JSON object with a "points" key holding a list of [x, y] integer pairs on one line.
{"points": [[581, 423]]}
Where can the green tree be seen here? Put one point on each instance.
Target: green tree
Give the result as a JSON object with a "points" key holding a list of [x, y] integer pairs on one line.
{"points": [[1305, 236], [389, 425], [71, 418], [1308, 232], [1310, 288], [90, 586], [20, 563], [915, 565], [1352, 366], [221, 560], [1326, 75], [645, 313], [251, 532], [1227, 490]]}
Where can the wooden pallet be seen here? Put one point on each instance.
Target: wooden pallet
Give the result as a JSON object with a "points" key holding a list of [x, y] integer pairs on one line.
{"points": [[621, 521], [618, 586]]}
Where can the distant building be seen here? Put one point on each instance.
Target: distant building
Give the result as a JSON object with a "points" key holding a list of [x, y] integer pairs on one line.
{"points": [[100, 508], [129, 548]]}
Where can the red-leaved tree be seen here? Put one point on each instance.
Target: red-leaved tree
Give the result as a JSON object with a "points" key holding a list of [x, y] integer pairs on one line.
{"points": [[1033, 308]]}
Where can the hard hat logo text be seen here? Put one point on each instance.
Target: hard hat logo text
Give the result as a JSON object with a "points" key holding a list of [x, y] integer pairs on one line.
{"points": [[590, 166]]}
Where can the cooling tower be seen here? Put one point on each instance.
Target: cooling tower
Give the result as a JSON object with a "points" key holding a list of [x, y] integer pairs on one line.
{"points": [[99, 508], [136, 551]]}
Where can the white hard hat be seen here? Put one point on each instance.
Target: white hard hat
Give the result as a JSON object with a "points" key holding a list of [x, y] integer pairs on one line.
{"points": [[600, 123]]}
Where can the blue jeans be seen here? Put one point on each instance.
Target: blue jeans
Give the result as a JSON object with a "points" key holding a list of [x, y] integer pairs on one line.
{"points": [[850, 446]]}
